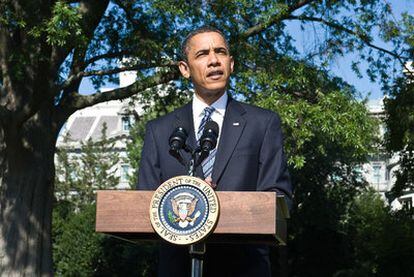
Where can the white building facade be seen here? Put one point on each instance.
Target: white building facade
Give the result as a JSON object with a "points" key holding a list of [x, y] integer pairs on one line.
{"points": [[88, 124], [380, 170]]}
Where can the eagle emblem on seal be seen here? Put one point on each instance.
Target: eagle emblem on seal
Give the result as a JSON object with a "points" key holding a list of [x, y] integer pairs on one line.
{"points": [[184, 205]]}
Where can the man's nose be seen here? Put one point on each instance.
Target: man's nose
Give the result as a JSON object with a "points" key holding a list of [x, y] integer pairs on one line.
{"points": [[212, 59]]}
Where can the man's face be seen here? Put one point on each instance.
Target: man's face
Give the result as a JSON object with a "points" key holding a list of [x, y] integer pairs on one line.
{"points": [[208, 64]]}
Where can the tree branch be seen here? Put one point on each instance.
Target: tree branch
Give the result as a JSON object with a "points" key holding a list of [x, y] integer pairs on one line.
{"points": [[82, 101], [275, 19], [91, 13], [111, 55], [122, 69], [128, 7], [365, 39], [76, 78]]}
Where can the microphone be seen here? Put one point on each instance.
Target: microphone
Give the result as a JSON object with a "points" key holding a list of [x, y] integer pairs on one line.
{"points": [[208, 139], [177, 142], [177, 139]]}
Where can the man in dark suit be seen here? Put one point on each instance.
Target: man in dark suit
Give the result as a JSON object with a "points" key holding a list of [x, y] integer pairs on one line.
{"points": [[249, 154]]}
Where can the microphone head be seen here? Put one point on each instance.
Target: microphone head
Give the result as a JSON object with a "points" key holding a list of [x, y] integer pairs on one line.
{"points": [[211, 126], [208, 140], [178, 138]]}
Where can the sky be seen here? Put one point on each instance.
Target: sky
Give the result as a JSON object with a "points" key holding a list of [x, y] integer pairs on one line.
{"points": [[340, 67]]}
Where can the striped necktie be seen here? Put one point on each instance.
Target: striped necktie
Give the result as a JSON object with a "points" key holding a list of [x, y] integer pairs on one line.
{"points": [[208, 163]]}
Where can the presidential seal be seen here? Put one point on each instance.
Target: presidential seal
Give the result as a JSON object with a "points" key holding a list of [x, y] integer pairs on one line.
{"points": [[184, 210]]}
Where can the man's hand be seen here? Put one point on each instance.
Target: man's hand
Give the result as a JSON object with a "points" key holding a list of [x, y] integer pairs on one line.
{"points": [[210, 182]]}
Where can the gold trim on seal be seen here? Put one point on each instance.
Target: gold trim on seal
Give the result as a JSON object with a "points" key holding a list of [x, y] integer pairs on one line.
{"points": [[200, 232]]}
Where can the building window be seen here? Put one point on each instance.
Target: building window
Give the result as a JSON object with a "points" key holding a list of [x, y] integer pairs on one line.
{"points": [[124, 173], [376, 173], [126, 123], [387, 174]]}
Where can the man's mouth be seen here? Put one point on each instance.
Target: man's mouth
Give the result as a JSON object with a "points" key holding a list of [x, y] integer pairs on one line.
{"points": [[215, 74]]}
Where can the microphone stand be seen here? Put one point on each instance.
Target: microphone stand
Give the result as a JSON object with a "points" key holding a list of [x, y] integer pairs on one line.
{"points": [[196, 250]]}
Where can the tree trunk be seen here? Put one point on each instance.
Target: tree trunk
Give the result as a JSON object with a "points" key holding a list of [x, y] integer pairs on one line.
{"points": [[26, 196]]}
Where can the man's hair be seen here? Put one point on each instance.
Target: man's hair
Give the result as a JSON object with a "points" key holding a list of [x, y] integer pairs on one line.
{"points": [[199, 30]]}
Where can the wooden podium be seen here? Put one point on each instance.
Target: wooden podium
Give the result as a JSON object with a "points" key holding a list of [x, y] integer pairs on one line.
{"points": [[247, 217]]}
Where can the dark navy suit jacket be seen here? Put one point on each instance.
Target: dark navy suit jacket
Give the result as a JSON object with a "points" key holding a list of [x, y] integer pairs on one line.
{"points": [[249, 157]]}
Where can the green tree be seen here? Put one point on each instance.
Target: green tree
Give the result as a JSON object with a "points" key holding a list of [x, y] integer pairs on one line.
{"points": [[76, 246], [382, 240], [81, 171], [399, 137], [399, 107], [328, 136], [47, 48], [77, 249]]}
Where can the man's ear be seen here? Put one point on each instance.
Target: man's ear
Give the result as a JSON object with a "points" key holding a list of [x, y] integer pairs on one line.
{"points": [[184, 69], [231, 64]]}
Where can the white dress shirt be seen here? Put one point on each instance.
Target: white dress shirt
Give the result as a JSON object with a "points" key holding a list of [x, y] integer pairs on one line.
{"points": [[217, 115]]}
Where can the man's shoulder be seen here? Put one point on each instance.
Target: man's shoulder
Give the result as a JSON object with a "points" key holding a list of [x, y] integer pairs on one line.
{"points": [[256, 111]]}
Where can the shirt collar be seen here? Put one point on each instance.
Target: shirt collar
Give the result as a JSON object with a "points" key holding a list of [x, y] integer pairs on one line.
{"points": [[219, 105]]}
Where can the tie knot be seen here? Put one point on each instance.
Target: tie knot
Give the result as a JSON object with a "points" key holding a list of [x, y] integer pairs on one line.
{"points": [[208, 111]]}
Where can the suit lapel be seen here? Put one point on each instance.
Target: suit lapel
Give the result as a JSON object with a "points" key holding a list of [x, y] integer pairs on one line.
{"points": [[233, 126]]}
